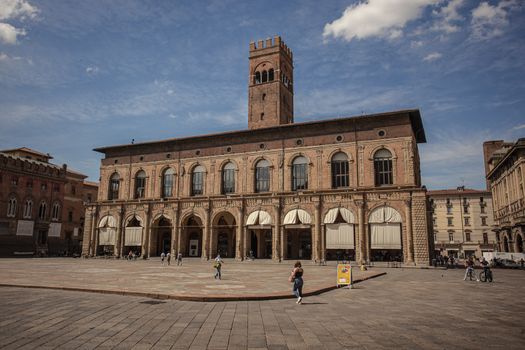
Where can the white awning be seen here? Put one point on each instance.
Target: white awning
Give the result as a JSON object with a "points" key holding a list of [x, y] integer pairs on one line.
{"points": [[259, 217], [346, 214], [107, 221], [133, 236], [384, 214], [385, 236], [297, 216], [139, 219], [339, 236], [106, 236]]}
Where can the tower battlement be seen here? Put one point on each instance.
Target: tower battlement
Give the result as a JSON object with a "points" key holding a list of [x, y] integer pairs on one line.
{"points": [[269, 43]]}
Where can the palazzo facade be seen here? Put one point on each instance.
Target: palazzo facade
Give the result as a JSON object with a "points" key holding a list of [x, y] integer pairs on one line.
{"points": [[505, 168], [342, 188]]}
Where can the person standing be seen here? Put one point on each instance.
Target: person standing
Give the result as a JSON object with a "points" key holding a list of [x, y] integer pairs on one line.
{"points": [[162, 257], [218, 264], [168, 258], [469, 271], [179, 259], [296, 278]]}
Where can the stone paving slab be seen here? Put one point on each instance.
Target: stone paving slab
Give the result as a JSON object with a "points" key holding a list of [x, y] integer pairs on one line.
{"points": [[193, 281], [405, 309]]}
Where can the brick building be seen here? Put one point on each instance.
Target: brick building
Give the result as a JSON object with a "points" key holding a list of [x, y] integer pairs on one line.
{"points": [[41, 205], [504, 166], [280, 190], [462, 221]]}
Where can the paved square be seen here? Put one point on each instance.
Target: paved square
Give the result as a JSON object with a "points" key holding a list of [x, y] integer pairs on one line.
{"points": [[405, 309]]}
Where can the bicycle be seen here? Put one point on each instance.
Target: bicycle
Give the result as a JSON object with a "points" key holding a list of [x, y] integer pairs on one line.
{"points": [[485, 275]]}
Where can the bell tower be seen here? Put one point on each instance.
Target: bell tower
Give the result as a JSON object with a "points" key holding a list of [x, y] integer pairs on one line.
{"points": [[270, 87]]}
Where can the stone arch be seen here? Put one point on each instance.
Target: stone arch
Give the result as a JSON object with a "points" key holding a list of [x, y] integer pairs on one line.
{"points": [[383, 146], [191, 241], [385, 234], [339, 241], [296, 155], [337, 150], [223, 234], [259, 68], [258, 159], [519, 243], [226, 161], [298, 235]]}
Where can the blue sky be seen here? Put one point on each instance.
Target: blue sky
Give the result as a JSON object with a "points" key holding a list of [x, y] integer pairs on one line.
{"points": [[75, 75]]}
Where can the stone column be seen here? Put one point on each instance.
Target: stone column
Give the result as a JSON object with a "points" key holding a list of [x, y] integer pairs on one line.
{"points": [[409, 233], [95, 234], [323, 243], [276, 235], [86, 234], [361, 252], [118, 250], [283, 243], [206, 235], [146, 246], [316, 254], [175, 234], [239, 235]]}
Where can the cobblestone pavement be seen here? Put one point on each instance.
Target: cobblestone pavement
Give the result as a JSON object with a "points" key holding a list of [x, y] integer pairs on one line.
{"points": [[406, 309], [193, 278]]}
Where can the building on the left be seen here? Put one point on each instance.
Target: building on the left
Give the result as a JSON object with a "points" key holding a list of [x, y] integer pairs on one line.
{"points": [[41, 205]]}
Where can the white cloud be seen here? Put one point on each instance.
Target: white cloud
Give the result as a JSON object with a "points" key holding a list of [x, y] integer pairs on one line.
{"points": [[5, 57], [14, 9], [519, 127], [489, 21], [9, 34], [376, 18], [416, 43], [11, 9], [432, 57], [448, 16], [92, 70]]}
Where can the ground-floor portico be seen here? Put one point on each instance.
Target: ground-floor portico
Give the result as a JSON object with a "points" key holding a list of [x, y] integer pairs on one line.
{"points": [[315, 227]]}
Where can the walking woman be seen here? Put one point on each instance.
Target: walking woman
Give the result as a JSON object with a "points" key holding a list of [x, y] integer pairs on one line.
{"points": [[218, 264], [297, 279]]}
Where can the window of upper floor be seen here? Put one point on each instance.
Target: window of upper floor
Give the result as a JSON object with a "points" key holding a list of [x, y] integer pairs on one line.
{"points": [[12, 207], [168, 182], [262, 176], [140, 184], [340, 170], [299, 173], [383, 171], [114, 184], [197, 180], [228, 178]]}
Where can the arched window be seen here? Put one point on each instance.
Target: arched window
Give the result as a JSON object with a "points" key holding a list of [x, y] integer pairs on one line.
{"points": [[42, 211], [114, 184], [264, 76], [383, 167], [300, 174], [140, 184], [197, 180], [28, 209], [340, 170], [55, 213], [257, 78], [262, 176], [228, 178], [167, 183], [270, 75], [11, 207]]}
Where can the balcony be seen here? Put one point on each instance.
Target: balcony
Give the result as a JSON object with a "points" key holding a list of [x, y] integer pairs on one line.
{"points": [[515, 210]]}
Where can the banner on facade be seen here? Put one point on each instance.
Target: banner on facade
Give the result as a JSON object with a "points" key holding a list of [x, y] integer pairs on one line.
{"points": [[25, 228], [54, 229], [344, 274], [133, 236], [106, 236], [339, 236], [75, 231]]}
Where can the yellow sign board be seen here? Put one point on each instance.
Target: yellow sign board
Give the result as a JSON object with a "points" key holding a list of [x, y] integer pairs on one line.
{"points": [[344, 274]]}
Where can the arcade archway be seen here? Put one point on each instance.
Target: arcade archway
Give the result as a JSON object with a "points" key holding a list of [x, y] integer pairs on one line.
{"points": [[191, 237], [259, 231], [297, 235], [223, 235], [385, 234], [161, 236]]}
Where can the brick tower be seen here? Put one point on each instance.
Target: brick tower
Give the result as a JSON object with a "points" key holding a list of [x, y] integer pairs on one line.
{"points": [[270, 92]]}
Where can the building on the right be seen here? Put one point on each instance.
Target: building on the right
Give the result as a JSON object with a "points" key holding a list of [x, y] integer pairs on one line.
{"points": [[504, 166], [462, 222]]}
